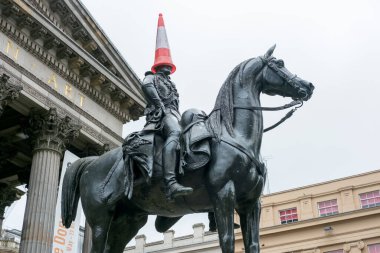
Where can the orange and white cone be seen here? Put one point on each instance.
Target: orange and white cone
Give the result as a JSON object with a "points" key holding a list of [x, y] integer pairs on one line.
{"points": [[162, 54]]}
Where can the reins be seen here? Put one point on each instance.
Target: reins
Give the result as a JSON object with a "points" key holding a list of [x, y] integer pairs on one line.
{"points": [[296, 103]]}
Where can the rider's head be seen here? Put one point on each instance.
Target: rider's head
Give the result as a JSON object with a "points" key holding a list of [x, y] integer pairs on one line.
{"points": [[165, 69]]}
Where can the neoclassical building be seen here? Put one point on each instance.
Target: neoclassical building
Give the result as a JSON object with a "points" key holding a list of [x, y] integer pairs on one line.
{"points": [[63, 86], [338, 216]]}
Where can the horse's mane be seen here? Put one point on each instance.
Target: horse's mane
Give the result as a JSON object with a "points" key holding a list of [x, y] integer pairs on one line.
{"points": [[223, 112]]}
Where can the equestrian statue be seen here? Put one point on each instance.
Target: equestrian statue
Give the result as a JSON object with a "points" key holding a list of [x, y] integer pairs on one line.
{"points": [[177, 165]]}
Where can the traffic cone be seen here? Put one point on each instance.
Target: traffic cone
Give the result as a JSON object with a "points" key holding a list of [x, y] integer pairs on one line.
{"points": [[162, 54]]}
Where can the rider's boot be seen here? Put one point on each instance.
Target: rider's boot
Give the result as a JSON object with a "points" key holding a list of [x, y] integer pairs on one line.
{"points": [[170, 160]]}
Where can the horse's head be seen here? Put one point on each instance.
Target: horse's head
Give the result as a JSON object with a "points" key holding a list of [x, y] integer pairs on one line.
{"points": [[277, 80]]}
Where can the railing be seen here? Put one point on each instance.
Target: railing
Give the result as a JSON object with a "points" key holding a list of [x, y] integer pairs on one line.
{"points": [[9, 245]]}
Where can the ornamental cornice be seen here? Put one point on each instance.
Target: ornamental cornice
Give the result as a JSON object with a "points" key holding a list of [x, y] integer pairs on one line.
{"points": [[70, 76], [9, 91], [61, 111], [48, 131], [77, 72]]}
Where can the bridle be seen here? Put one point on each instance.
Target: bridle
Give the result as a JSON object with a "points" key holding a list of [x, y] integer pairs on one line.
{"points": [[290, 80], [270, 64]]}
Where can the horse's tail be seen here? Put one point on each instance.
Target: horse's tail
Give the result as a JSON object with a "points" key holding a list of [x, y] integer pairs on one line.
{"points": [[70, 190]]}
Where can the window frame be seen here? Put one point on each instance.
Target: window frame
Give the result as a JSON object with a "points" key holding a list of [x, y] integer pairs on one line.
{"points": [[327, 207], [367, 199], [374, 244], [291, 220]]}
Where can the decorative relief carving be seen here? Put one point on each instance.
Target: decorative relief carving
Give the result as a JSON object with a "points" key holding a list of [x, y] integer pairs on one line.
{"points": [[59, 7], [87, 70], [75, 63], [51, 42], [24, 21], [90, 46], [48, 131], [117, 95], [9, 91], [8, 195], [49, 60], [108, 87], [46, 101], [98, 79], [71, 21], [70, 76], [39, 32], [64, 52], [80, 33], [10, 9], [359, 245]]}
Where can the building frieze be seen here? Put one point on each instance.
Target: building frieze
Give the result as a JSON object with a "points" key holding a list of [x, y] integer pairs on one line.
{"points": [[61, 111], [76, 76]]}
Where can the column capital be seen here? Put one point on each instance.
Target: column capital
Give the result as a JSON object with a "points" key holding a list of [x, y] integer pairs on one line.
{"points": [[49, 131], [9, 91]]}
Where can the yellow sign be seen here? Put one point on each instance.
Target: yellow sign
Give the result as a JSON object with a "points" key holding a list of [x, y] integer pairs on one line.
{"points": [[12, 50]]}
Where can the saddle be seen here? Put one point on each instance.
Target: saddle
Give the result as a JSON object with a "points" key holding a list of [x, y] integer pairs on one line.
{"points": [[142, 155]]}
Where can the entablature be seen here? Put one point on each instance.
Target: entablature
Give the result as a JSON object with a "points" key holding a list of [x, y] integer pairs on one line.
{"points": [[48, 42]]}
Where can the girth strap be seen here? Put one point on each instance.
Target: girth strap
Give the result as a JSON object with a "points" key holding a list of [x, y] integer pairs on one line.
{"points": [[259, 165]]}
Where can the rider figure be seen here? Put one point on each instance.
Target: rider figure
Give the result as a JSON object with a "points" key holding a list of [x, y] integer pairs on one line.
{"points": [[162, 110]]}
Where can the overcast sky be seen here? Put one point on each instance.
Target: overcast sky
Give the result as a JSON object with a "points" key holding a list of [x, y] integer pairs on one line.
{"points": [[333, 44]]}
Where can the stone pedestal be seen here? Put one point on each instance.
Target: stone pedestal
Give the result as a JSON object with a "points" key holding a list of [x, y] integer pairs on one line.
{"points": [[49, 135]]}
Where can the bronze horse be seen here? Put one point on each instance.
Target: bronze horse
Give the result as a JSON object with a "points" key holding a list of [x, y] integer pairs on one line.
{"points": [[232, 180]]}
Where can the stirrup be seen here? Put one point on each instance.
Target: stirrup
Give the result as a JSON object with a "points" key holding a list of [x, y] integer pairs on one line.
{"points": [[176, 190]]}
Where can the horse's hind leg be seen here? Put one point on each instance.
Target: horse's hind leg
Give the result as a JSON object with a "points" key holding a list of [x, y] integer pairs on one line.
{"points": [[99, 228], [123, 229], [249, 220], [224, 201]]}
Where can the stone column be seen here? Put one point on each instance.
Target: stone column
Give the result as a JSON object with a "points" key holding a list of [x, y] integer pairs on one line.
{"points": [[49, 135], [9, 91]]}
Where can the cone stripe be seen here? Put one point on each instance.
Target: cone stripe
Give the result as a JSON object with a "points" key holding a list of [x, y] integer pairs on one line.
{"points": [[162, 38], [160, 52], [160, 20]]}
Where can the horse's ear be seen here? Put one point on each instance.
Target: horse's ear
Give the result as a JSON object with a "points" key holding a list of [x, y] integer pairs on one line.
{"points": [[270, 51]]}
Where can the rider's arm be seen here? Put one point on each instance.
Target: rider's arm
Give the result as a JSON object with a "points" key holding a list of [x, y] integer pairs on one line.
{"points": [[150, 92]]}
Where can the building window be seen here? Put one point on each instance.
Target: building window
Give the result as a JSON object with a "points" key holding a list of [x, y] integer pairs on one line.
{"points": [[288, 215], [335, 251], [370, 199], [329, 207], [374, 248]]}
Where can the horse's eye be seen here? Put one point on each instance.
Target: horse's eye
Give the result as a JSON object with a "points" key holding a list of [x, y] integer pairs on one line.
{"points": [[280, 63]]}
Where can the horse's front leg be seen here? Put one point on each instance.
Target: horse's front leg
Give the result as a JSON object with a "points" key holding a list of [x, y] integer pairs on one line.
{"points": [[249, 214], [224, 202]]}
